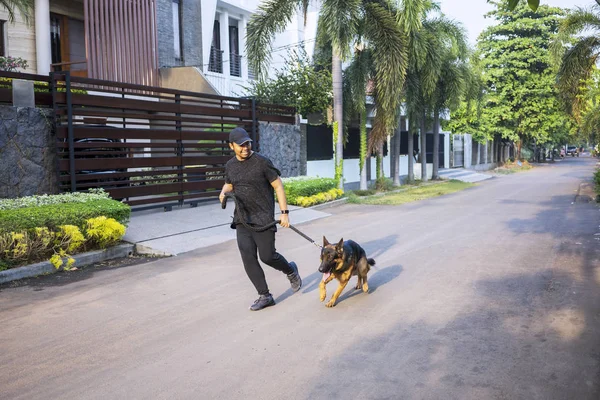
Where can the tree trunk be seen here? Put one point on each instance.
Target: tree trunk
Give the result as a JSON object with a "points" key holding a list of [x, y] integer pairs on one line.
{"points": [[381, 170], [363, 150], [436, 145], [411, 156], [338, 114], [423, 148], [379, 164], [397, 158], [518, 155]]}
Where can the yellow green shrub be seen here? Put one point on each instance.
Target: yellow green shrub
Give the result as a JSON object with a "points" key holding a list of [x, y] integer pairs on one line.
{"points": [[69, 238], [319, 198], [104, 231]]}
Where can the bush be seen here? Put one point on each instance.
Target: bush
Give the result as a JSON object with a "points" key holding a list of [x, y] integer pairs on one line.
{"points": [[319, 198], [45, 199], [597, 181], [40, 87], [104, 231], [42, 243], [306, 187], [54, 215]]}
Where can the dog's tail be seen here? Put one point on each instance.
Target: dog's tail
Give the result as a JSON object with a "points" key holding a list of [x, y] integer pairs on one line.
{"points": [[370, 261]]}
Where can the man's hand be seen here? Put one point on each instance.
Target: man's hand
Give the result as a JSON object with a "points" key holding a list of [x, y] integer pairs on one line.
{"points": [[228, 187], [285, 220]]}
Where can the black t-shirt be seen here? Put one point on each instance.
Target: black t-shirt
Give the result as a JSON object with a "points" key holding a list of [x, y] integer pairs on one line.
{"points": [[251, 180]]}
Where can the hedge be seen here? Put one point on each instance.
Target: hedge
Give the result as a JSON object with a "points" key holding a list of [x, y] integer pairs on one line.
{"points": [[54, 215], [306, 187]]}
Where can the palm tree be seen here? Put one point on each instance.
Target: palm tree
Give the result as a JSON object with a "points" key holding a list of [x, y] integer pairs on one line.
{"points": [[345, 22], [438, 39], [24, 7], [451, 84], [577, 62]]}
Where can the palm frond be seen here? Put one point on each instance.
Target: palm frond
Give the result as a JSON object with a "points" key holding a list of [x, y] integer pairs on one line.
{"points": [[390, 60], [271, 18], [577, 65], [24, 7], [341, 19]]}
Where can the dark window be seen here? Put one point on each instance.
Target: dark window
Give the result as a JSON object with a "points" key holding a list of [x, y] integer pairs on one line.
{"points": [[55, 47], [319, 142], [2, 39], [235, 60], [404, 142], [352, 148]]}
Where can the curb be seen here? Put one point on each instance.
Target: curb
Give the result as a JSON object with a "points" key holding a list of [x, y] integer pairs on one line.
{"points": [[81, 260], [329, 204]]}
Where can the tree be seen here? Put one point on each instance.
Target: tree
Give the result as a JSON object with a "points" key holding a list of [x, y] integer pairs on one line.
{"points": [[438, 40], [298, 84], [576, 50], [341, 21], [521, 100], [24, 7]]}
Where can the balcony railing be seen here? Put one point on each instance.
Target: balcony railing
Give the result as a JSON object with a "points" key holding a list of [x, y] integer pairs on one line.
{"points": [[235, 64], [215, 62], [251, 74]]}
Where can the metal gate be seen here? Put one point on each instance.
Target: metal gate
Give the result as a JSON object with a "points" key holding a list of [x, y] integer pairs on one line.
{"points": [[458, 150], [149, 146]]}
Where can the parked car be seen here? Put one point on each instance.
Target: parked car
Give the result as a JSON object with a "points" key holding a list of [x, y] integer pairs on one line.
{"points": [[572, 151]]}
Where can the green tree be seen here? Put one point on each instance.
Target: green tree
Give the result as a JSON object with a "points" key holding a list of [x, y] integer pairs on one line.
{"points": [[24, 7], [298, 84], [520, 102], [341, 22]]}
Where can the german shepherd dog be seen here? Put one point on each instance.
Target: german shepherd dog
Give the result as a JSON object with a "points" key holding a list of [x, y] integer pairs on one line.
{"points": [[342, 261]]}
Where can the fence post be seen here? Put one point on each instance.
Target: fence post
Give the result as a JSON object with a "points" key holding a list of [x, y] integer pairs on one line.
{"points": [[256, 145], [52, 88], [70, 131], [179, 149]]}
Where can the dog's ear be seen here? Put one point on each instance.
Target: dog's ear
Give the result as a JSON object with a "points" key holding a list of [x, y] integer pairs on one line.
{"points": [[325, 242], [340, 245]]}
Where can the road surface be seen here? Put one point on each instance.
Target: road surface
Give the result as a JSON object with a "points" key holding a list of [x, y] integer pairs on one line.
{"points": [[490, 293]]}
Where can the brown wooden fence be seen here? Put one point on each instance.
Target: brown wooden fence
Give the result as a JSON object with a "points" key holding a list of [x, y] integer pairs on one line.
{"points": [[149, 146]]}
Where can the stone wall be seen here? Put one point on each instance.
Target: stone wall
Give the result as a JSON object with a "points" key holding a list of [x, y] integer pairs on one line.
{"points": [[282, 145], [191, 34], [28, 162]]}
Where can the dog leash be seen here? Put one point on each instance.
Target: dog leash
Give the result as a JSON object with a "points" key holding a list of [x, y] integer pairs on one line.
{"points": [[238, 209]]}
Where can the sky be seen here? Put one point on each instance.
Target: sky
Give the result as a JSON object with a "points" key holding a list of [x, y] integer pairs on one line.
{"points": [[471, 13]]}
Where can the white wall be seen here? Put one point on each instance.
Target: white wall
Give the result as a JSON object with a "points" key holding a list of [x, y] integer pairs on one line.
{"points": [[296, 33]]}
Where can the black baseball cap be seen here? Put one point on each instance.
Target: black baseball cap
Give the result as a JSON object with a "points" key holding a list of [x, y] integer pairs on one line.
{"points": [[239, 136]]}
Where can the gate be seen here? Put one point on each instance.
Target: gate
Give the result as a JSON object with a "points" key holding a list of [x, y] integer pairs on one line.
{"points": [[148, 146], [458, 151]]}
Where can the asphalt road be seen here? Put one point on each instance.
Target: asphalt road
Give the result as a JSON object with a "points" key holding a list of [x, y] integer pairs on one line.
{"points": [[490, 293]]}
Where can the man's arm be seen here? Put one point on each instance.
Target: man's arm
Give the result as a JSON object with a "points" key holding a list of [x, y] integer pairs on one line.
{"points": [[228, 187], [278, 186]]}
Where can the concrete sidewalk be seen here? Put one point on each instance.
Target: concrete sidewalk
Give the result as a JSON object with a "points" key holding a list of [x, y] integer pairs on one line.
{"points": [[465, 175], [185, 229]]}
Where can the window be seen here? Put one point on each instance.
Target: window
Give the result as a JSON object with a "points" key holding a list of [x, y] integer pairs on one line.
{"points": [[2, 38], [215, 62], [177, 28], [55, 45]]}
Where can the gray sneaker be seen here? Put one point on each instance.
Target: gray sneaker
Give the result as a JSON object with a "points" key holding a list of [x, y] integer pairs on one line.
{"points": [[264, 301], [294, 278]]}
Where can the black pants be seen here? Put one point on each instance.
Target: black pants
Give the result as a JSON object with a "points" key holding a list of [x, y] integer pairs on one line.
{"points": [[248, 243]]}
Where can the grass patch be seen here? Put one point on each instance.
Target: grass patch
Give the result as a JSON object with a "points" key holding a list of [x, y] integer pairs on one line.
{"points": [[513, 167], [413, 193]]}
